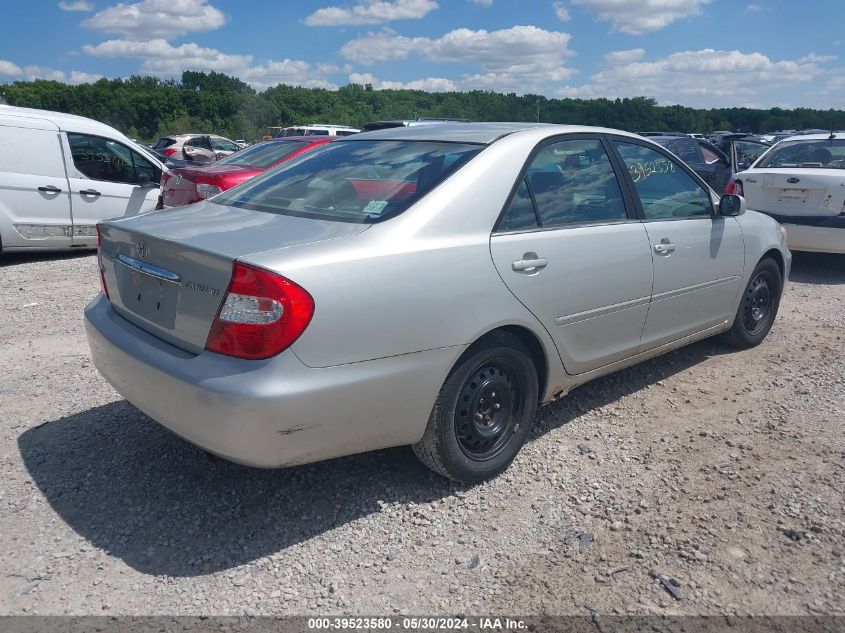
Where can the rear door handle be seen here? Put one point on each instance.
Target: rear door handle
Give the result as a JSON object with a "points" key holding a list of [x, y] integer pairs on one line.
{"points": [[664, 248], [50, 189], [527, 265], [89, 192]]}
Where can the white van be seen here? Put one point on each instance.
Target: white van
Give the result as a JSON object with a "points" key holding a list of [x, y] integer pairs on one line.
{"points": [[61, 174]]}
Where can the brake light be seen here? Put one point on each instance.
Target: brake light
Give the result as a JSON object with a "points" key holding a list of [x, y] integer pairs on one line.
{"points": [[261, 315], [734, 187], [169, 151], [100, 262]]}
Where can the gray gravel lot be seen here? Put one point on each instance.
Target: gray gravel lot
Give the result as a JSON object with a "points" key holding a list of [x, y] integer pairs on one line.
{"points": [[722, 470]]}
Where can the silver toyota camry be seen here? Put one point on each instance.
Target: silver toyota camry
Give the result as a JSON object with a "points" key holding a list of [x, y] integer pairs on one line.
{"points": [[428, 285]]}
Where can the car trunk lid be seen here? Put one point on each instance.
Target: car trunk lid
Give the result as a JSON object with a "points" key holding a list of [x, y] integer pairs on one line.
{"points": [[795, 192], [168, 272]]}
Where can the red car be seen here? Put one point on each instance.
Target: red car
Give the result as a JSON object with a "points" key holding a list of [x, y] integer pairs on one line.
{"points": [[185, 185]]}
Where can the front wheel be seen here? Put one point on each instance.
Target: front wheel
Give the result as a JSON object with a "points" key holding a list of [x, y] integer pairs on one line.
{"points": [[483, 412], [758, 307]]}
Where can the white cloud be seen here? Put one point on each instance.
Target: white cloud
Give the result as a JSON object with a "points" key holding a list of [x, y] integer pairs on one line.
{"points": [[162, 59], [30, 73], [615, 58], [816, 59], [483, 3], [518, 59], [157, 19], [78, 5], [754, 7], [429, 84], [641, 16], [371, 12], [561, 11], [700, 78]]}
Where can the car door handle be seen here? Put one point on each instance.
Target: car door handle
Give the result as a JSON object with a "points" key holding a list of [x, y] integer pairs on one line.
{"points": [[50, 189], [524, 265], [664, 248], [89, 192]]}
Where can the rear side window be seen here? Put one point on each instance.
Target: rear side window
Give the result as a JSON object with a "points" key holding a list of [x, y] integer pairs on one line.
{"points": [[352, 181], [164, 142], [520, 212], [664, 188], [711, 156]]}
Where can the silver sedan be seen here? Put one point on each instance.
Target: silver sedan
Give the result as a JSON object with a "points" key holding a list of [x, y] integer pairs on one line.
{"points": [[428, 285]]}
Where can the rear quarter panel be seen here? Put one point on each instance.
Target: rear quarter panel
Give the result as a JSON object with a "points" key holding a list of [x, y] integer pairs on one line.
{"points": [[423, 280]]}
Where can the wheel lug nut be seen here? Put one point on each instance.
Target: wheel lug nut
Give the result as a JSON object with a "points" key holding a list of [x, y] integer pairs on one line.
{"points": [[479, 417], [497, 406]]}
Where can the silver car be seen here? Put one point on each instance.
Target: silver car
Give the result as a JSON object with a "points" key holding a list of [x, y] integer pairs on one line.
{"points": [[424, 285]]}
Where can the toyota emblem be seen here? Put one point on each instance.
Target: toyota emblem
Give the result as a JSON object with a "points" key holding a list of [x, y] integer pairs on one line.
{"points": [[143, 249]]}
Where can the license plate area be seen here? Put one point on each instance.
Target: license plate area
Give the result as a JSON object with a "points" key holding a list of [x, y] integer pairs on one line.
{"points": [[798, 195], [147, 296]]}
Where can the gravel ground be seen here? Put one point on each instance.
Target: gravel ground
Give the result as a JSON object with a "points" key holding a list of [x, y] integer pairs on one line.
{"points": [[722, 470]]}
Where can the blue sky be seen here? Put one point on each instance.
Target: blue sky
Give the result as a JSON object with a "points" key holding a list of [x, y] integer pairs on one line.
{"points": [[702, 53]]}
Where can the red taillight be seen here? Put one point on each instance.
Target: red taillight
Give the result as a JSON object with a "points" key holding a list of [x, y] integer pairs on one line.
{"points": [[100, 262], [169, 151], [734, 187], [261, 314]]}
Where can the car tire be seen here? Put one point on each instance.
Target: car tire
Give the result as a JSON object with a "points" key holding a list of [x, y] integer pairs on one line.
{"points": [[484, 411], [758, 307]]}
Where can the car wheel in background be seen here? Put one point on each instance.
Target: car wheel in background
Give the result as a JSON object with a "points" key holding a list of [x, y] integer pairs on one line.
{"points": [[758, 307], [483, 412]]}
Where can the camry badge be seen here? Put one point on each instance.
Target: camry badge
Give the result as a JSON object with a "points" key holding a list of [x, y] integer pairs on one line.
{"points": [[793, 180], [143, 249]]}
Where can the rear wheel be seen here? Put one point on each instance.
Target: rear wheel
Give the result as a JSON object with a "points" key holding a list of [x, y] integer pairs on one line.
{"points": [[483, 412], [758, 307]]}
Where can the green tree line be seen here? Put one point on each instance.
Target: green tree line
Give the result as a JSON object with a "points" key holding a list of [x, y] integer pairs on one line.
{"points": [[146, 108]]}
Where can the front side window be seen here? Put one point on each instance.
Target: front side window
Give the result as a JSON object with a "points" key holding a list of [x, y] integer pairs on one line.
{"points": [[747, 152], [199, 141], [104, 159], [263, 154], [352, 181], [664, 188], [573, 182], [828, 154]]}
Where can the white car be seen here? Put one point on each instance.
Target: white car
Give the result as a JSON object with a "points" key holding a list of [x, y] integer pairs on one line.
{"points": [[61, 174], [800, 182], [318, 129]]}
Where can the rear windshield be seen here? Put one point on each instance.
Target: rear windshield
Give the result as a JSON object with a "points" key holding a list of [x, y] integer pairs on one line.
{"points": [[352, 181], [164, 142], [263, 154], [828, 154]]}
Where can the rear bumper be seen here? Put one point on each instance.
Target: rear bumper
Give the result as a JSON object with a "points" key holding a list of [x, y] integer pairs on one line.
{"points": [[818, 239], [271, 413]]}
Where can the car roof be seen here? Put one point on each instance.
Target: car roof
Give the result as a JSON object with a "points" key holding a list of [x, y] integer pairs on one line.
{"points": [[65, 122], [481, 133], [305, 139], [815, 137]]}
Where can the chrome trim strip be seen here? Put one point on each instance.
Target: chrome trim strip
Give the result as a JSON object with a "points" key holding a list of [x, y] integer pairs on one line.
{"points": [[569, 319], [669, 294], [149, 269]]}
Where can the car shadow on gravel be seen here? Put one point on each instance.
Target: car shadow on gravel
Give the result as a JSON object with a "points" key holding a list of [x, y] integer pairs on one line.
{"points": [[18, 259], [140, 493], [817, 268], [165, 507]]}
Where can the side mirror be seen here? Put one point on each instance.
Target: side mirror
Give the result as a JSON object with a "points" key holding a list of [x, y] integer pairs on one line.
{"points": [[143, 180], [731, 205]]}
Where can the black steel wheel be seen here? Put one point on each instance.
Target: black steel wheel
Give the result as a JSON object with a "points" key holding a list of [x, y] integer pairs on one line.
{"points": [[758, 306], [483, 412]]}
